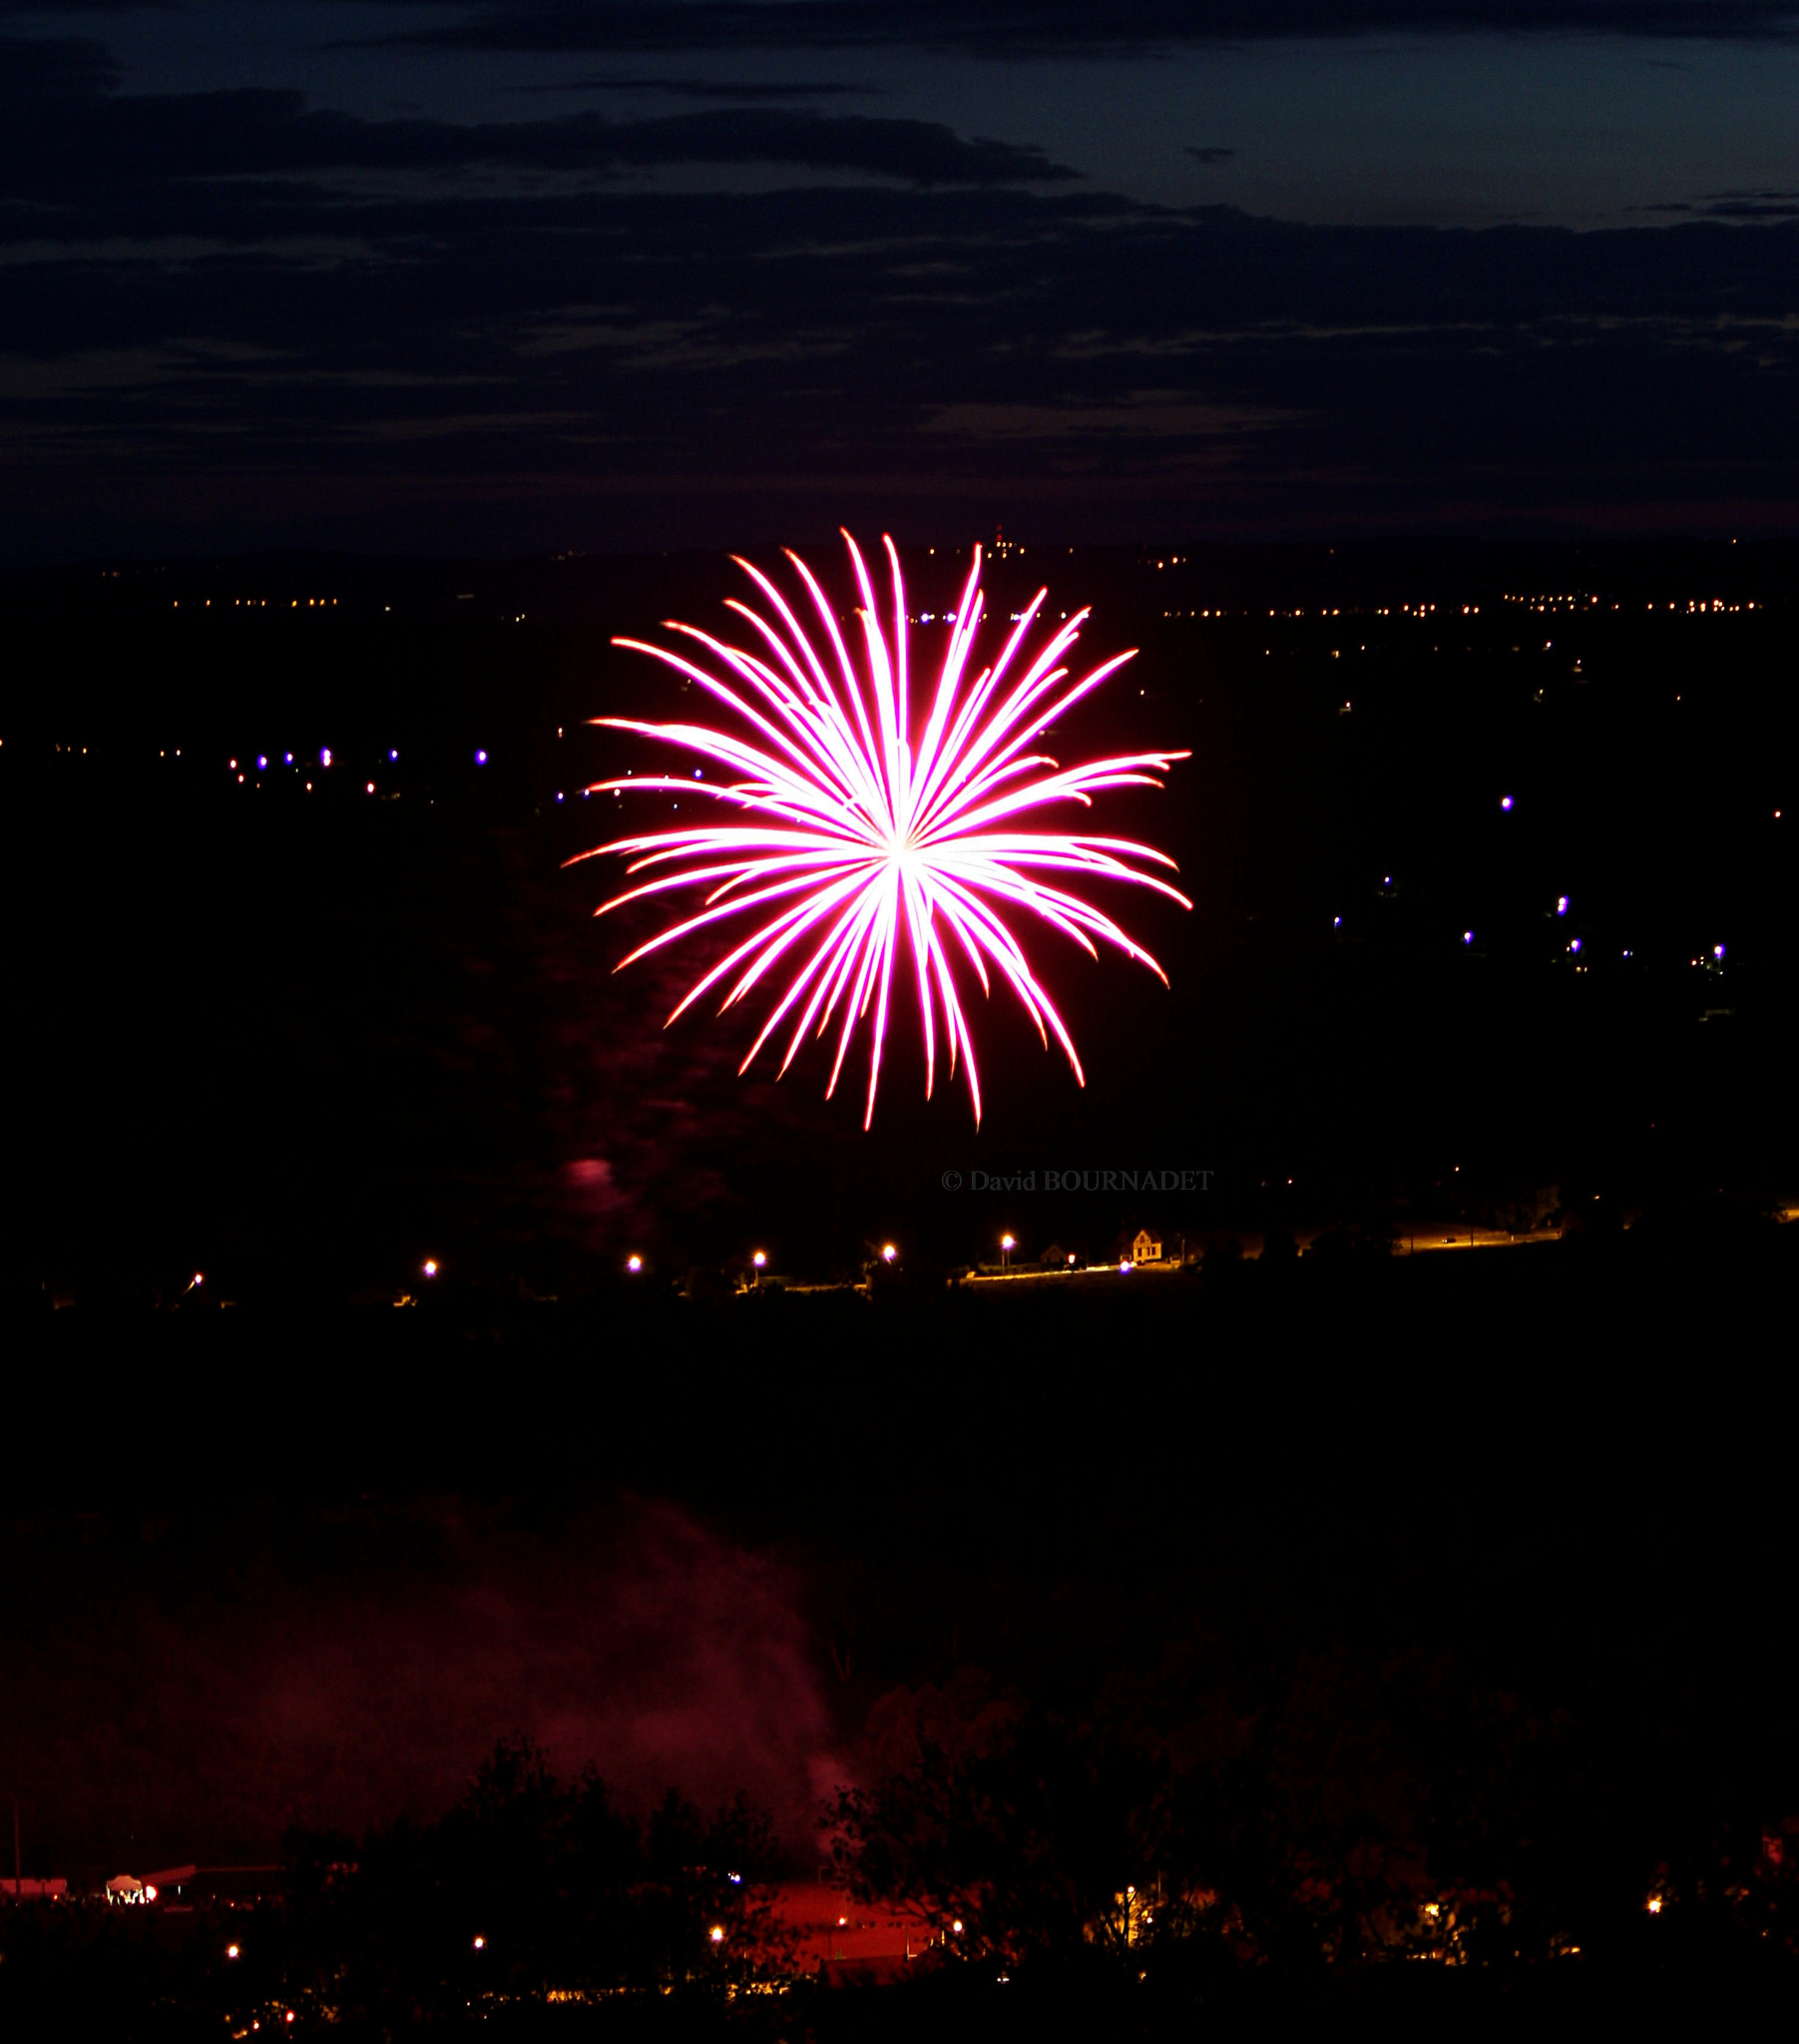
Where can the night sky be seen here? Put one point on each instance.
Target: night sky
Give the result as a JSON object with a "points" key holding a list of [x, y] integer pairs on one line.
{"points": [[497, 279]]}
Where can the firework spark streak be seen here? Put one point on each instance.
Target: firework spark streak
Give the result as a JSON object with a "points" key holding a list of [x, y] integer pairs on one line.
{"points": [[852, 838]]}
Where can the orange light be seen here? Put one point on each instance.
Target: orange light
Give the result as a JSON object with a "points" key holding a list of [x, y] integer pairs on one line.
{"points": [[716, 1933], [230, 1951], [634, 1263], [888, 1252], [430, 1267]]}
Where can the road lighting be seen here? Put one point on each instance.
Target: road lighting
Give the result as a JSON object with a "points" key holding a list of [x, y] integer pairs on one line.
{"points": [[1007, 1245], [760, 1262], [888, 1252], [634, 1263]]}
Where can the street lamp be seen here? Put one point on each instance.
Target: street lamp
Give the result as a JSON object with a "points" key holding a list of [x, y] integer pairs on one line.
{"points": [[1007, 1245], [430, 1267], [760, 1260], [888, 1252], [633, 1264]]}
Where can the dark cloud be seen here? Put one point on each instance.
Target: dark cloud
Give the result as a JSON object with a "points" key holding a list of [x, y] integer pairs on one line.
{"points": [[1211, 156], [67, 133], [54, 68], [1739, 206], [713, 89], [1011, 28]]}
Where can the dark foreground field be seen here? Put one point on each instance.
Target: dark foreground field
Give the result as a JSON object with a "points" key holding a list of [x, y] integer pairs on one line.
{"points": [[1313, 1597]]}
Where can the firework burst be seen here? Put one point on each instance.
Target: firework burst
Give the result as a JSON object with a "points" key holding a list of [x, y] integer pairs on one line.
{"points": [[853, 835]]}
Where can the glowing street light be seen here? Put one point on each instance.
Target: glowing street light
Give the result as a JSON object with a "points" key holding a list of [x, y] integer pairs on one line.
{"points": [[230, 1951], [888, 1252], [429, 1267], [634, 1263], [716, 1933], [1007, 1244]]}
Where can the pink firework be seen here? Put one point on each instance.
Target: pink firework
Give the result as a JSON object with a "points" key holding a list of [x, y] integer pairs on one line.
{"points": [[848, 832]]}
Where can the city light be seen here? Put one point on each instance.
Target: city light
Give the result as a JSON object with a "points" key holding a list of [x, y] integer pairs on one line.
{"points": [[1653, 1905], [1505, 802], [480, 759], [1717, 950], [864, 828], [634, 1263], [481, 1944], [430, 1267], [1467, 936], [888, 1252], [324, 757], [716, 1933], [230, 1951], [760, 1260], [1560, 905]]}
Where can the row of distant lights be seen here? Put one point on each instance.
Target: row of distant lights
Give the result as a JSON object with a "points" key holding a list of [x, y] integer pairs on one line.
{"points": [[261, 603], [324, 760]]}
